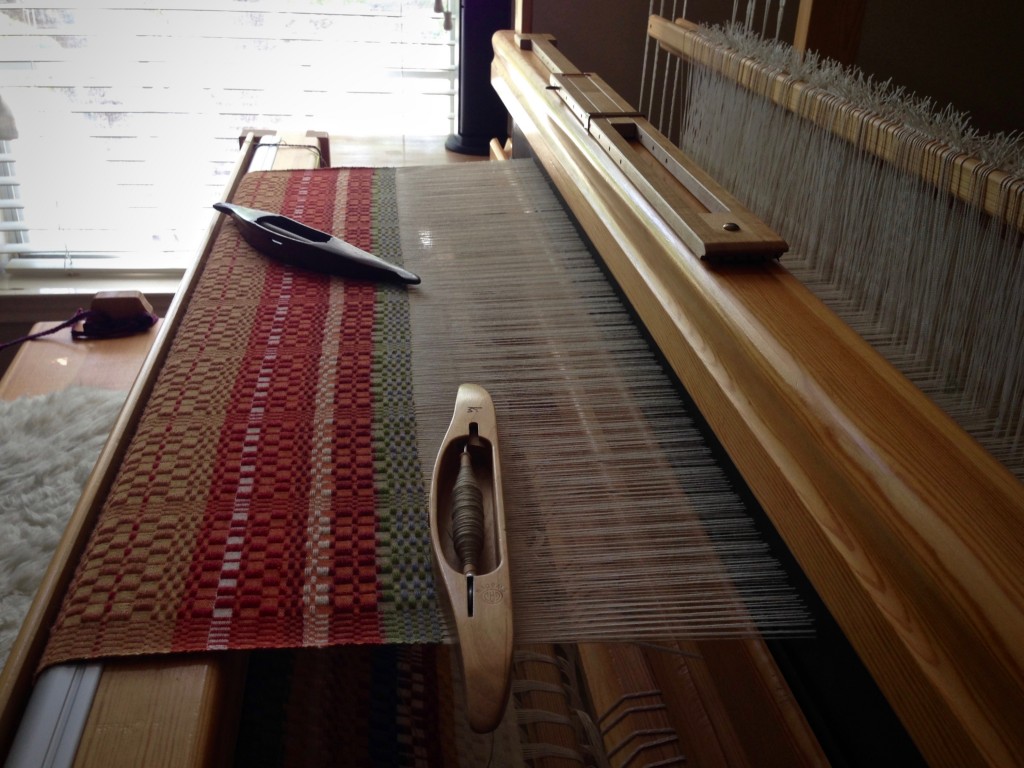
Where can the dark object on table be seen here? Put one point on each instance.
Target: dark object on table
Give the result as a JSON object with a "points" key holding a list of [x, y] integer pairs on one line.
{"points": [[294, 243]]}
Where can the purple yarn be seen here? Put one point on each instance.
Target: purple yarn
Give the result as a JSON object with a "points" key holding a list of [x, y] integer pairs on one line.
{"points": [[95, 325]]}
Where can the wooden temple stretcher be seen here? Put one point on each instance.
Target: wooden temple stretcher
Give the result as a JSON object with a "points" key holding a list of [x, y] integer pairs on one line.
{"points": [[916, 552]]}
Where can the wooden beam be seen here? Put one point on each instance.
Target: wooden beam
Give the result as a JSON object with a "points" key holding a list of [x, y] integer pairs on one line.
{"points": [[967, 178], [830, 28], [167, 713], [523, 21], [908, 528]]}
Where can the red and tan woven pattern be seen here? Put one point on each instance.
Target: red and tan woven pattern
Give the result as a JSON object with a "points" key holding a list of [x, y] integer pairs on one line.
{"points": [[275, 495], [351, 706], [248, 510]]}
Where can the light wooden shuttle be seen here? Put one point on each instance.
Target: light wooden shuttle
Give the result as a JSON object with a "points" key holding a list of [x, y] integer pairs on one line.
{"points": [[476, 594]]}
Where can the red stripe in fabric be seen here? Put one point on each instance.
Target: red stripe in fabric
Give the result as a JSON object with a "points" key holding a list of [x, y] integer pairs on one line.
{"points": [[355, 618], [245, 580]]}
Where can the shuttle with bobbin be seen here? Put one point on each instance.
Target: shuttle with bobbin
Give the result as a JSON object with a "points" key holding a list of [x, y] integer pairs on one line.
{"points": [[467, 531]]}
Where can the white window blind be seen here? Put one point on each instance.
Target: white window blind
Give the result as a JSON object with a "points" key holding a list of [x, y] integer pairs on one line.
{"points": [[128, 115], [12, 224]]}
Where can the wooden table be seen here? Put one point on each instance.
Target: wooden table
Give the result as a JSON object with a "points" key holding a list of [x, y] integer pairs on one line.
{"points": [[55, 363]]}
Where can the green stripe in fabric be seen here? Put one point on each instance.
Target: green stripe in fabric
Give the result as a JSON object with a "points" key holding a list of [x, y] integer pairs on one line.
{"points": [[409, 611]]}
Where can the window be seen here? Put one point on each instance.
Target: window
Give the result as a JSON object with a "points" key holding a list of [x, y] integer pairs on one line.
{"points": [[128, 115]]}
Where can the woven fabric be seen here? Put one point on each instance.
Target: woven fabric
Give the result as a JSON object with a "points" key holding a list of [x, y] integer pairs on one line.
{"points": [[275, 494], [347, 706], [272, 494], [367, 707]]}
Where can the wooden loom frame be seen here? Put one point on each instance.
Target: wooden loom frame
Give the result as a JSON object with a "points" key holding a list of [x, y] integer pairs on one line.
{"points": [[867, 521], [179, 710], [908, 529]]}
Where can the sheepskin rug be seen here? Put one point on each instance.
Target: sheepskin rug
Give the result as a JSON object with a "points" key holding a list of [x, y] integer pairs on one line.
{"points": [[48, 446]]}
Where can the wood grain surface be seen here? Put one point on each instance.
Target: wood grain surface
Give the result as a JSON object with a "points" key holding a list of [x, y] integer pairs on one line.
{"points": [[908, 529]]}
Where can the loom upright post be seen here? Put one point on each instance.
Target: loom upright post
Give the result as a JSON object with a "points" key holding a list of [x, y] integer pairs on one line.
{"points": [[482, 115]]}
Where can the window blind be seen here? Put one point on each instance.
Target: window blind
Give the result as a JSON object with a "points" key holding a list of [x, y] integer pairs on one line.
{"points": [[128, 115], [13, 229]]}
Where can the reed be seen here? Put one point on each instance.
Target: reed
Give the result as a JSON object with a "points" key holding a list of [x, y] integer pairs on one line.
{"points": [[902, 218]]}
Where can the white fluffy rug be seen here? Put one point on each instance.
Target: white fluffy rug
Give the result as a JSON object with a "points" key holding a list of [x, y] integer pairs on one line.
{"points": [[48, 446]]}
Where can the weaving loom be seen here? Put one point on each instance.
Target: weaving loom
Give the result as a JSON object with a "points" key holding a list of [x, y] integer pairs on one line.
{"points": [[818, 424], [270, 495], [929, 598]]}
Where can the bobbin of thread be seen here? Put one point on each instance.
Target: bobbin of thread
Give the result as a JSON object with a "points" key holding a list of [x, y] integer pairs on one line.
{"points": [[467, 534], [467, 515]]}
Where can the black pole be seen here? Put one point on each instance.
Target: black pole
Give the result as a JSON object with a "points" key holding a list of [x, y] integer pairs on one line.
{"points": [[482, 116]]}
